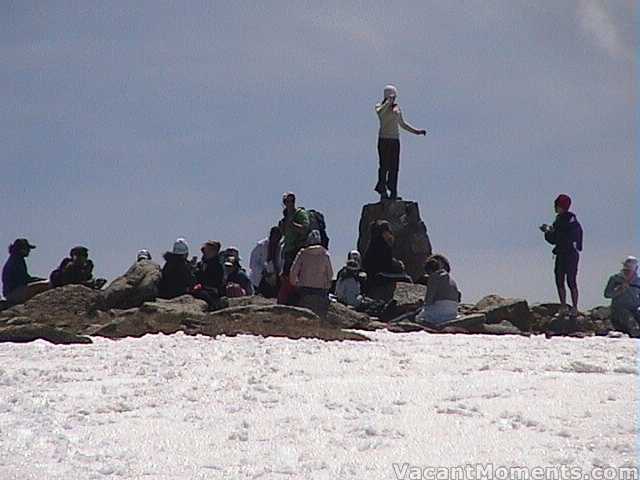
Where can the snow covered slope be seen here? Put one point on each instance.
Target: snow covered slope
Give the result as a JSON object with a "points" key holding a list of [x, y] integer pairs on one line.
{"points": [[178, 407]]}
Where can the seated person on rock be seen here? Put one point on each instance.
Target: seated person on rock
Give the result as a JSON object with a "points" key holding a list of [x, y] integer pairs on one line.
{"points": [[209, 272], [311, 274], [17, 285], [143, 255], [442, 298], [382, 270], [76, 269], [177, 273], [623, 289], [238, 283], [350, 282], [265, 264]]}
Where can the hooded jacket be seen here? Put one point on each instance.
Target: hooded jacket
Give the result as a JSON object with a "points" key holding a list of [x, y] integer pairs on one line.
{"points": [[210, 274], [177, 276], [312, 268], [565, 234], [440, 286]]}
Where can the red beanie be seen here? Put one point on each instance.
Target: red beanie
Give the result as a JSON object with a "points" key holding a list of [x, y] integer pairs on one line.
{"points": [[563, 201]]}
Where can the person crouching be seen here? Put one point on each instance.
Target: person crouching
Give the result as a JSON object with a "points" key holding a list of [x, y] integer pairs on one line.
{"points": [[311, 274]]}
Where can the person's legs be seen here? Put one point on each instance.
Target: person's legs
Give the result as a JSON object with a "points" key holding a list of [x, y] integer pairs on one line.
{"points": [[572, 280], [560, 281], [394, 166], [382, 168]]}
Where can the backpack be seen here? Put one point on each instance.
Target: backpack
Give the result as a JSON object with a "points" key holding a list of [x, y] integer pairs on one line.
{"points": [[316, 222]]}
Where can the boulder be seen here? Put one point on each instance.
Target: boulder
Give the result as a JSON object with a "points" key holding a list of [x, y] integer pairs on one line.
{"points": [[250, 300], [138, 285], [409, 297], [503, 328], [343, 316], [70, 306], [412, 244], [467, 323], [405, 326], [161, 316], [35, 331], [270, 321], [497, 309]]}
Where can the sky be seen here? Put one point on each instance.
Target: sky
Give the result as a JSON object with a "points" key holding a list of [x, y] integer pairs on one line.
{"points": [[125, 125]]}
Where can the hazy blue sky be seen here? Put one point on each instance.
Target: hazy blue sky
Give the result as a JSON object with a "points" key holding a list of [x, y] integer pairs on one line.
{"points": [[127, 124]]}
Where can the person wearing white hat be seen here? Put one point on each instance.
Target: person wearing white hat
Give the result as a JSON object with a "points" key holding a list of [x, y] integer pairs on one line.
{"points": [[178, 277], [391, 119], [143, 255], [623, 288]]}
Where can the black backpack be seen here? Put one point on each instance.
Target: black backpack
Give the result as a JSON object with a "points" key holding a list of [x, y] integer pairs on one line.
{"points": [[316, 222]]}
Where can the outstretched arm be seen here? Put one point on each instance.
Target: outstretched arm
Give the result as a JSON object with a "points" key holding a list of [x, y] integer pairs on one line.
{"points": [[408, 127]]}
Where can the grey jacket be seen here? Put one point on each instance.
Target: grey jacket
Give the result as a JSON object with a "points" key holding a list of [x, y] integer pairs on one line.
{"points": [[628, 299], [440, 286]]}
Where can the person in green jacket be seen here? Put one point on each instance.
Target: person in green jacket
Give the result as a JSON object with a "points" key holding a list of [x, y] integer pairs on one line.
{"points": [[295, 229]]}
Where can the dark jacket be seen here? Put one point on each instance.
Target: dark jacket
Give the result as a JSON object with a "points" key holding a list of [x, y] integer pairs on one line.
{"points": [[14, 274], [177, 276], [440, 286], [565, 234], [69, 273], [210, 274], [378, 258], [241, 278]]}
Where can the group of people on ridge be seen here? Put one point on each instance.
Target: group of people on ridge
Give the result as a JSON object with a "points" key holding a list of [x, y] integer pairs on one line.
{"points": [[293, 263]]}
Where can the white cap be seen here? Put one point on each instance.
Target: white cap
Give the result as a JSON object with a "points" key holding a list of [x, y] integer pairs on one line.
{"points": [[390, 91], [631, 262], [180, 247], [144, 254]]}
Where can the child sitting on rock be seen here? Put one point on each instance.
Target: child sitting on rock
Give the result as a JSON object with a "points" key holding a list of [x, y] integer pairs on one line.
{"points": [[349, 285]]}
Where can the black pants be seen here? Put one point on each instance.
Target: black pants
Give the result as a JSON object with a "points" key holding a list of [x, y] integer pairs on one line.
{"points": [[389, 153]]}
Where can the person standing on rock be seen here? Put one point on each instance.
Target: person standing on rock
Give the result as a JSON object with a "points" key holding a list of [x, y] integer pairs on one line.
{"points": [[566, 236], [17, 285], [391, 119], [623, 288], [265, 264], [294, 226]]}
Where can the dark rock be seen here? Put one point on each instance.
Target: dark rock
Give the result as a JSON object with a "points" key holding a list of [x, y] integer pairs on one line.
{"points": [[503, 328], [270, 321], [35, 331], [374, 325], [161, 316], [498, 309], [467, 323], [70, 306], [412, 244], [409, 297], [251, 300], [345, 317], [138, 285], [405, 326]]}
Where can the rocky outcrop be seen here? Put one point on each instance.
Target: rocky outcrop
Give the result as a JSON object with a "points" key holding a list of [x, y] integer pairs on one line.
{"points": [[412, 244], [35, 331], [269, 321], [72, 306], [498, 309], [138, 285]]}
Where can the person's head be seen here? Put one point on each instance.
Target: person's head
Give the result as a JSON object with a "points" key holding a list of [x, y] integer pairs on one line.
{"points": [[432, 265], [630, 266], [314, 238], [289, 201], [562, 203], [354, 255], [79, 253], [231, 264], [210, 249], [21, 246], [143, 255], [275, 235], [181, 247], [390, 92], [444, 262]]}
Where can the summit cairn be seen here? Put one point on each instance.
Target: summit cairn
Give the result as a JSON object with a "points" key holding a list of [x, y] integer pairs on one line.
{"points": [[412, 244]]}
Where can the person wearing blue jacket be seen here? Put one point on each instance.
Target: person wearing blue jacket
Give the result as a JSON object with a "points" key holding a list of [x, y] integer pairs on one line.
{"points": [[566, 236], [17, 285]]}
